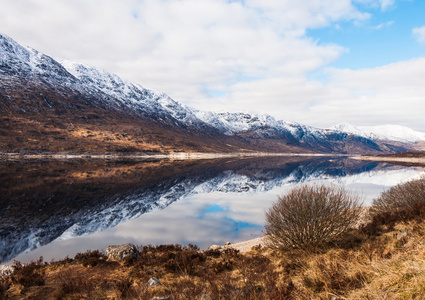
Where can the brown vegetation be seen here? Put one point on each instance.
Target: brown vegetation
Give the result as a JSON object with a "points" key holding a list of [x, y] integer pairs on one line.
{"points": [[82, 123], [311, 215], [400, 198]]}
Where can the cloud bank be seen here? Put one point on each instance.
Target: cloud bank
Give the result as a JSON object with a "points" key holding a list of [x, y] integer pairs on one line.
{"points": [[229, 55]]}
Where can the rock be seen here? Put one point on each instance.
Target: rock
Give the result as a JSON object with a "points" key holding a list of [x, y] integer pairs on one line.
{"points": [[121, 252], [214, 247], [153, 281], [157, 287], [6, 270], [228, 244]]}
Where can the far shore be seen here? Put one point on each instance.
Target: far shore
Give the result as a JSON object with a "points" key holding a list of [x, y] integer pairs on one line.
{"points": [[146, 156], [389, 159]]}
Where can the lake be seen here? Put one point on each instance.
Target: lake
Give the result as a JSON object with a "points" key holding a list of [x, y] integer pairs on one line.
{"points": [[56, 209]]}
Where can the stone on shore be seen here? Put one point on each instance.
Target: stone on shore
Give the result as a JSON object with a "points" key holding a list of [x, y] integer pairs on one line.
{"points": [[214, 247], [153, 281], [6, 270], [121, 252]]}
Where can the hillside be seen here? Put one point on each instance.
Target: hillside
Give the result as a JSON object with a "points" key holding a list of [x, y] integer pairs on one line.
{"points": [[61, 106]]}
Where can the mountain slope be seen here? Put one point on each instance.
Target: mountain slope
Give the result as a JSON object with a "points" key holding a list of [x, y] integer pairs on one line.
{"points": [[264, 128], [383, 132], [46, 108], [57, 105]]}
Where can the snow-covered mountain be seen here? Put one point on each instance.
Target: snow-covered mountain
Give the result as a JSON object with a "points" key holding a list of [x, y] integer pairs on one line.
{"points": [[35, 87], [133, 96], [383, 132], [234, 123], [19, 60]]}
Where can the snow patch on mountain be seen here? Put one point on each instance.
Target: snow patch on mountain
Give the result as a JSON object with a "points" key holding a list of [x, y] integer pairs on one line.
{"points": [[383, 132], [121, 91], [235, 123], [133, 96], [15, 59]]}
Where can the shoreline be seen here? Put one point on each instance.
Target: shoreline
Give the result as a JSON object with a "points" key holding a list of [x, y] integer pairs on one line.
{"points": [[389, 159], [4, 156], [243, 246]]}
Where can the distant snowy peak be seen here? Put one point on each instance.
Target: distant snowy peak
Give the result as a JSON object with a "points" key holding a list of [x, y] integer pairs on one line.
{"points": [[383, 132], [237, 122], [233, 123], [240, 122]]}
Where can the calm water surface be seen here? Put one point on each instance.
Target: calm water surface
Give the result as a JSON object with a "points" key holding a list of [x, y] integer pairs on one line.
{"points": [[55, 209]]}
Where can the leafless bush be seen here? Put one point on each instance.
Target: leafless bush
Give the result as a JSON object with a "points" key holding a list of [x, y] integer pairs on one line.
{"points": [[400, 198], [4, 286], [29, 274], [311, 215]]}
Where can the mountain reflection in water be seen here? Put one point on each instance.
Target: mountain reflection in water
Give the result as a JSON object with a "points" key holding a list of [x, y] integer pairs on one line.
{"points": [[45, 201]]}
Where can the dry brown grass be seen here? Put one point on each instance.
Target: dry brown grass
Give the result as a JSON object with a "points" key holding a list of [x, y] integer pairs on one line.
{"points": [[359, 266]]}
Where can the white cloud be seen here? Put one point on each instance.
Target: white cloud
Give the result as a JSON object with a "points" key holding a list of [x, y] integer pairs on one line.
{"points": [[255, 52], [389, 94], [419, 34], [179, 47], [386, 4], [383, 25], [294, 17]]}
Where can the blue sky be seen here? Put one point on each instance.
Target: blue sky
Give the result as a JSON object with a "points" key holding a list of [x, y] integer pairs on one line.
{"points": [[316, 62], [383, 39]]}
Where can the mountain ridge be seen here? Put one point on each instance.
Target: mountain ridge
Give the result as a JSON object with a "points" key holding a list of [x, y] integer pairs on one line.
{"points": [[387, 132], [76, 107]]}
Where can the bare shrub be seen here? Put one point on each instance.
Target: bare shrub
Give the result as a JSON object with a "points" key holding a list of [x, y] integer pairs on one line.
{"points": [[123, 287], [28, 275], [400, 199], [90, 258], [71, 284], [311, 215], [4, 286], [185, 261]]}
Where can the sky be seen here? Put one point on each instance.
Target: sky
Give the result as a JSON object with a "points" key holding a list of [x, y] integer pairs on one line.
{"points": [[316, 62]]}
